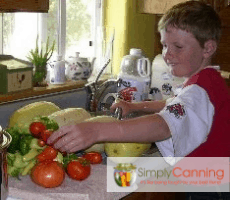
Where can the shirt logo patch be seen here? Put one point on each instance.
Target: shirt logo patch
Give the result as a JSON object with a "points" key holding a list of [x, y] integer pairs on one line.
{"points": [[177, 110]]}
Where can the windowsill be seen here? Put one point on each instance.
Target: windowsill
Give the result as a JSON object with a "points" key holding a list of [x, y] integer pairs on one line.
{"points": [[68, 85], [103, 77]]}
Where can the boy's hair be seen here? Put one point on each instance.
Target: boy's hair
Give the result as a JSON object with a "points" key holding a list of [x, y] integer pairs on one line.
{"points": [[195, 17]]}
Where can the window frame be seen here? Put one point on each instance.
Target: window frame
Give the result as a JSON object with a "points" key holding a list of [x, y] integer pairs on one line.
{"points": [[61, 28]]}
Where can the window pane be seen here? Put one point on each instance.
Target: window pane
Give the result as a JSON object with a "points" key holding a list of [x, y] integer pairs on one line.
{"points": [[52, 24], [21, 29], [79, 26], [19, 33]]}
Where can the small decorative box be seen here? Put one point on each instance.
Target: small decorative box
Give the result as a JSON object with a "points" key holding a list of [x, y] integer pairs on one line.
{"points": [[15, 74]]}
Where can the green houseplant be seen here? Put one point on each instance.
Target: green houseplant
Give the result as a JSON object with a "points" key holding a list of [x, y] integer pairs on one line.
{"points": [[39, 57]]}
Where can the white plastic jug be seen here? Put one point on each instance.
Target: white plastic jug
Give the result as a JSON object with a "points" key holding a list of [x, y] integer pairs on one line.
{"points": [[142, 84], [57, 75], [135, 64]]}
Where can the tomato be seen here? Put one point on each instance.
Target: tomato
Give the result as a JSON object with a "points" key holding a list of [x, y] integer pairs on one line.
{"points": [[41, 143], [48, 174], [49, 153], [93, 157], [78, 169], [45, 134], [36, 128]]}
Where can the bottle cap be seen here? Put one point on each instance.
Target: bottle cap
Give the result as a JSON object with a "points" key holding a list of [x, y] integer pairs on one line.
{"points": [[77, 54], [134, 51]]}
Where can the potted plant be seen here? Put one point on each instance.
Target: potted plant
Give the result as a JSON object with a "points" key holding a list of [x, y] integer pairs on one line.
{"points": [[39, 58]]}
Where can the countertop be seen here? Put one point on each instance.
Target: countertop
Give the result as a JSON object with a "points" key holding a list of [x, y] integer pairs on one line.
{"points": [[94, 187]]}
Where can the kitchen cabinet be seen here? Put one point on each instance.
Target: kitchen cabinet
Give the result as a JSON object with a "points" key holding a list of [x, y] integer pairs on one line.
{"points": [[222, 57], [218, 5], [24, 6], [161, 6], [156, 6]]}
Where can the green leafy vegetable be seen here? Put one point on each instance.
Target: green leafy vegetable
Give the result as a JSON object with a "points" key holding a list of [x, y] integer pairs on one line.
{"points": [[15, 134], [69, 158], [49, 123], [24, 144]]}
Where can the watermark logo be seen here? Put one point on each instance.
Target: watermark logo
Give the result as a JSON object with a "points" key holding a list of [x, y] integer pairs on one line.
{"points": [[125, 174], [166, 174]]}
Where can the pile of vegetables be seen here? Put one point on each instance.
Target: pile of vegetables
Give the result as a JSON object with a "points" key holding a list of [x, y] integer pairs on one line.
{"points": [[25, 149], [29, 154]]}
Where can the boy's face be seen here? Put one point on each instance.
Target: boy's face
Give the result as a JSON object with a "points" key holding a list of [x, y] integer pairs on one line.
{"points": [[182, 52]]}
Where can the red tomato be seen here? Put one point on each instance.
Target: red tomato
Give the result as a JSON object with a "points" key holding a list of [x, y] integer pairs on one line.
{"points": [[41, 143], [49, 153], [48, 174], [78, 169], [93, 157], [45, 134], [36, 128]]}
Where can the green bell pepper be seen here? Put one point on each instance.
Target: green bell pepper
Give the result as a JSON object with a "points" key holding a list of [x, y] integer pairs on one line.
{"points": [[10, 159], [27, 169], [30, 155], [18, 162], [13, 171]]}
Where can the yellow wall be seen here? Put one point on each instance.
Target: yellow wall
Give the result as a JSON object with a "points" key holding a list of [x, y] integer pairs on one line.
{"points": [[132, 29]]}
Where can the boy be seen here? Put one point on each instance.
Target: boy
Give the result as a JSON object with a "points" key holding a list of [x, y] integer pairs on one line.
{"points": [[194, 123]]}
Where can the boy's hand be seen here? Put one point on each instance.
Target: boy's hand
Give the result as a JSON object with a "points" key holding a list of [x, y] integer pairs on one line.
{"points": [[74, 137], [126, 107]]}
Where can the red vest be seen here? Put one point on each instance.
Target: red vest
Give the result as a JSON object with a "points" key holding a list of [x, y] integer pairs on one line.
{"points": [[218, 141]]}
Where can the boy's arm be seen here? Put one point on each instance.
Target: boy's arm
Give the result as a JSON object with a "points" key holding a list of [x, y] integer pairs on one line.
{"points": [[146, 107], [149, 106], [150, 128]]}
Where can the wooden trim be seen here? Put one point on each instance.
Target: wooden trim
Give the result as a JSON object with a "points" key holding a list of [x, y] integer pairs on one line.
{"points": [[24, 6]]}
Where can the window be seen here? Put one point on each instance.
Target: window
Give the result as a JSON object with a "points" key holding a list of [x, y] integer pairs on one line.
{"points": [[71, 23]]}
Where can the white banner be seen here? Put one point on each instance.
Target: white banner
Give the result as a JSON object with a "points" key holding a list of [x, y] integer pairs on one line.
{"points": [[159, 174]]}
